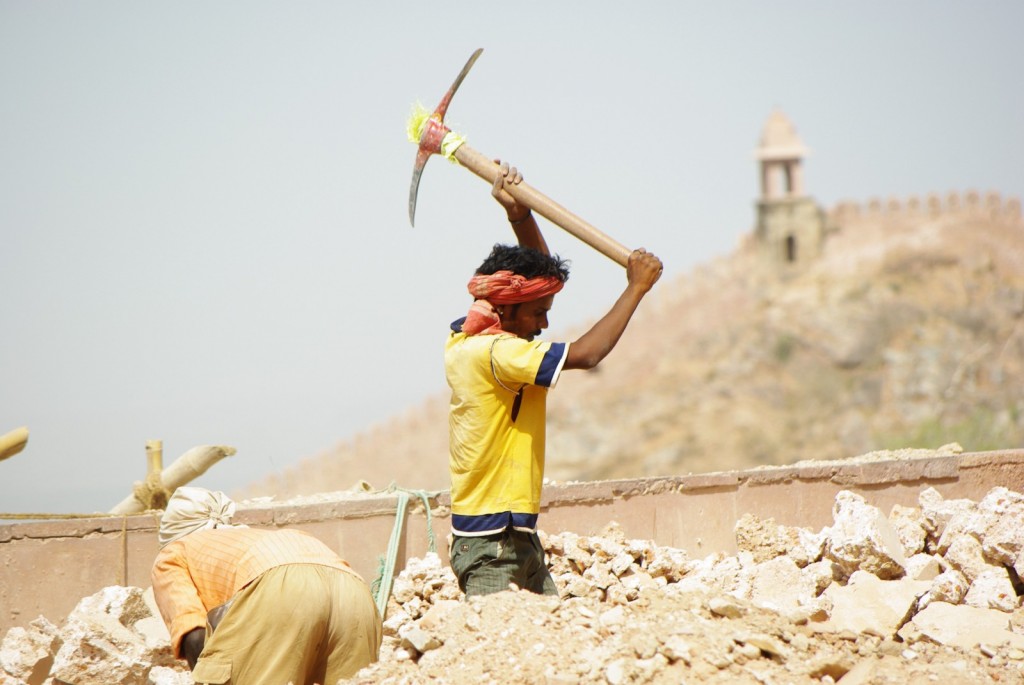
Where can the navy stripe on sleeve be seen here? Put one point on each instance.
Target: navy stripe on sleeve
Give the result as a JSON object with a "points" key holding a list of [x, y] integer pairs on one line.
{"points": [[552, 364]]}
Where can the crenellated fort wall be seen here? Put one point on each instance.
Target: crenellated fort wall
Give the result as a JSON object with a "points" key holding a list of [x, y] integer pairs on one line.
{"points": [[989, 206]]}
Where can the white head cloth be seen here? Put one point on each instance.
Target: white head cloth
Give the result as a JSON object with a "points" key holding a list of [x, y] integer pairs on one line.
{"points": [[191, 509]]}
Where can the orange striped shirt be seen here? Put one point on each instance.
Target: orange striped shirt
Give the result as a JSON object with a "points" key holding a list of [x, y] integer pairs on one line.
{"points": [[206, 568]]}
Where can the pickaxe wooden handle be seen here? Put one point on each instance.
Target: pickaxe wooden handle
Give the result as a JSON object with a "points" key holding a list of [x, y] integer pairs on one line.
{"points": [[431, 136], [488, 170]]}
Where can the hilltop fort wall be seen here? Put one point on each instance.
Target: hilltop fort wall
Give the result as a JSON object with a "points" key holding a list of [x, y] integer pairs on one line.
{"points": [[990, 206]]}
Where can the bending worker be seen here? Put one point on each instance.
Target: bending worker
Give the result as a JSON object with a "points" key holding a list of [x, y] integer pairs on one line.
{"points": [[499, 376], [295, 611]]}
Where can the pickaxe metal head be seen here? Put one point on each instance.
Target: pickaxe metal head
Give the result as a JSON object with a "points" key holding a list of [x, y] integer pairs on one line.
{"points": [[433, 133], [428, 131]]}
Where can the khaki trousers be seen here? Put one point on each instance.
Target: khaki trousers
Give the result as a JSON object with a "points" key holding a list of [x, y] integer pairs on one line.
{"points": [[303, 624]]}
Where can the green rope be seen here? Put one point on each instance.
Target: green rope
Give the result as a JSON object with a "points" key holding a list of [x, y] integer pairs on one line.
{"points": [[383, 583], [425, 498], [381, 586]]}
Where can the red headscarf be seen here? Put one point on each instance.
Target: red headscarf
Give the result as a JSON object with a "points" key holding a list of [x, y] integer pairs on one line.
{"points": [[502, 287]]}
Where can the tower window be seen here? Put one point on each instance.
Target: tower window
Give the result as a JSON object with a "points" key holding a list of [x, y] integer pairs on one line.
{"points": [[790, 248]]}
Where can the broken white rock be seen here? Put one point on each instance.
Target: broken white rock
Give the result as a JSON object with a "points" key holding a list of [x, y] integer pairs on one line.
{"points": [[726, 607], [781, 586], [637, 581], [867, 604], [100, 645], [766, 540], [613, 618], [936, 512], [776, 584], [861, 538], [25, 653], [992, 589], [675, 648], [161, 675], [950, 586], [1003, 533], [961, 626], [414, 637], [714, 572], [765, 643], [923, 567], [964, 554], [907, 522]]}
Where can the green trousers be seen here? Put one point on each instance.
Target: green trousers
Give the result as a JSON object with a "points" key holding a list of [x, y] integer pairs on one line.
{"points": [[488, 563]]}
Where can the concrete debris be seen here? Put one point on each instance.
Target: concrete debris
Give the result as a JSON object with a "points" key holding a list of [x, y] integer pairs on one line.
{"points": [[923, 567], [992, 589], [766, 540], [862, 538], [909, 526], [111, 638], [950, 586], [965, 555], [961, 626], [26, 654], [921, 595], [867, 604], [937, 512]]}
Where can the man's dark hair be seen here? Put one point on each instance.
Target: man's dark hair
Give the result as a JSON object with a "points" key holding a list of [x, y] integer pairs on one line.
{"points": [[525, 261]]}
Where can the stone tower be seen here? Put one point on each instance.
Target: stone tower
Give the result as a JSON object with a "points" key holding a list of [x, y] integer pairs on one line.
{"points": [[790, 226]]}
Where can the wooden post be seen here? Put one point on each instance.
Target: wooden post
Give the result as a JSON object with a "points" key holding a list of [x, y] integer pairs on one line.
{"points": [[13, 442], [184, 469], [155, 457]]}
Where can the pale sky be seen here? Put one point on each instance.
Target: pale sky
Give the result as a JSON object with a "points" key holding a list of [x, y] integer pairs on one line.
{"points": [[203, 223]]}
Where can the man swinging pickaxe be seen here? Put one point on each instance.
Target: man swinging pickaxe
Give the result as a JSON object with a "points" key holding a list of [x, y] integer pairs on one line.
{"points": [[429, 131], [500, 371]]}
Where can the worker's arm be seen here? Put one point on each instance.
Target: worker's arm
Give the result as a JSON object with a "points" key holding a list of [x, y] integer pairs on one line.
{"points": [[519, 216], [192, 646], [177, 597], [642, 271]]}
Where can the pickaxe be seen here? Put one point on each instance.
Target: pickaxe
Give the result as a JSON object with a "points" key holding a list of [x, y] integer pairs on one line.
{"points": [[432, 136]]}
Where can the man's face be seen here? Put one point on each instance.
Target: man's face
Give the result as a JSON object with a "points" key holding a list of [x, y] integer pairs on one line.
{"points": [[528, 319]]}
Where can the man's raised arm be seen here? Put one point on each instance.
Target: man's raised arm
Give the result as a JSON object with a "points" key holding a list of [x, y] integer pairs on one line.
{"points": [[642, 272], [520, 217]]}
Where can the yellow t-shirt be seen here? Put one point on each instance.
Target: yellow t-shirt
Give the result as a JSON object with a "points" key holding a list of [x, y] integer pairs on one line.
{"points": [[496, 426]]}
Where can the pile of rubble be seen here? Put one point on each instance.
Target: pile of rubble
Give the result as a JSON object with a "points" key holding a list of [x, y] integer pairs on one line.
{"points": [[925, 594], [929, 592], [115, 637]]}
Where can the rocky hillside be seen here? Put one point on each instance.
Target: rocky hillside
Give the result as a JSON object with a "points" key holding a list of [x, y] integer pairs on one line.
{"points": [[907, 332]]}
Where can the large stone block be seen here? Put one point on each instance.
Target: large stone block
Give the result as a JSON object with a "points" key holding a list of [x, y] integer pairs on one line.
{"points": [[961, 626], [862, 539], [27, 653], [936, 512], [993, 589], [867, 604], [907, 523], [101, 645]]}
